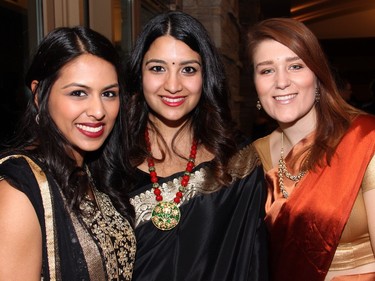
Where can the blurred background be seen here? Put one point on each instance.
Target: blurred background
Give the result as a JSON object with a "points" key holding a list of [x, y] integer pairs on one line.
{"points": [[345, 28]]}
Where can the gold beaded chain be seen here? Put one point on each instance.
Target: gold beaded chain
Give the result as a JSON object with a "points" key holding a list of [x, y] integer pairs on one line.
{"points": [[282, 170]]}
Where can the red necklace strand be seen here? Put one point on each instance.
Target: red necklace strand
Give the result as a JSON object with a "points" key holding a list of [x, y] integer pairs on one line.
{"points": [[166, 215]]}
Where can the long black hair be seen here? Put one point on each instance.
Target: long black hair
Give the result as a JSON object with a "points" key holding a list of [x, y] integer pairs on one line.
{"points": [[43, 138], [211, 120]]}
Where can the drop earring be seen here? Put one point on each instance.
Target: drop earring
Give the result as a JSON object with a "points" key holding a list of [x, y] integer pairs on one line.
{"points": [[317, 95], [259, 105], [37, 118]]}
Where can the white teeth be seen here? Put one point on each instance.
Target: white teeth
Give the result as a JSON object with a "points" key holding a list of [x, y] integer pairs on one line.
{"points": [[282, 98], [173, 100], [89, 129]]}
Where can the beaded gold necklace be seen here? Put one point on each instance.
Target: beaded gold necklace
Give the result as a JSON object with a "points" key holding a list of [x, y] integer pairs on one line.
{"points": [[166, 215], [282, 170]]}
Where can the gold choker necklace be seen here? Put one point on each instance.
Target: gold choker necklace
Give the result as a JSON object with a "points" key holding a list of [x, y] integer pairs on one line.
{"points": [[282, 170]]}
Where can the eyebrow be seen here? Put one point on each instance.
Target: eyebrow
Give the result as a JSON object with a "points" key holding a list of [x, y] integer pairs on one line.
{"points": [[189, 62], [181, 63], [115, 85], [267, 62], [155, 61]]}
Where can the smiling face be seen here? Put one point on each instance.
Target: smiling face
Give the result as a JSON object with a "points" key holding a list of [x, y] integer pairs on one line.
{"points": [[84, 103], [172, 80], [285, 85]]}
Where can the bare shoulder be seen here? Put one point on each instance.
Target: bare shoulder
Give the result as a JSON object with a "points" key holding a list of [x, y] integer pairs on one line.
{"points": [[21, 239], [15, 204]]}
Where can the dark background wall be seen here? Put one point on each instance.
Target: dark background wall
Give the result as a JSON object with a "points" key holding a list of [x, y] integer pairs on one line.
{"points": [[346, 29], [13, 56]]}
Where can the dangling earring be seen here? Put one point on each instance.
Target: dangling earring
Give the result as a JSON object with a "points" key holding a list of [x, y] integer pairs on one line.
{"points": [[259, 105], [37, 118], [317, 95]]}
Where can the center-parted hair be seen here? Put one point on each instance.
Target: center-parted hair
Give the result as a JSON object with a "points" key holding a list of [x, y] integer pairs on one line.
{"points": [[43, 138], [210, 121]]}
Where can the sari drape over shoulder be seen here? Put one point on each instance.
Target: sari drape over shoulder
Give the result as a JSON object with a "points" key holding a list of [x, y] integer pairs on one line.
{"points": [[96, 246], [305, 229], [221, 235]]}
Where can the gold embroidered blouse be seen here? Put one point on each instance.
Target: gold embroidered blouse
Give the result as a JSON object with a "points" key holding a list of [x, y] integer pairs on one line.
{"points": [[113, 233]]}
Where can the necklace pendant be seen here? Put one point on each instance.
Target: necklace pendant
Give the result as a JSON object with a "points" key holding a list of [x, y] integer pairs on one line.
{"points": [[165, 215]]}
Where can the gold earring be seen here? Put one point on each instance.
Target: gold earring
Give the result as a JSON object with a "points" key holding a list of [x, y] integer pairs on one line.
{"points": [[317, 95]]}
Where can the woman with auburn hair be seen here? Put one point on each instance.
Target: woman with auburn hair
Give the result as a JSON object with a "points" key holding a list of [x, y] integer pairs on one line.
{"points": [[319, 162]]}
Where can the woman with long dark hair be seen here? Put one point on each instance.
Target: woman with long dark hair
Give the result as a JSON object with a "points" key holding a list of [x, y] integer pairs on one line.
{"points": [[63, 215], [198, 200]]}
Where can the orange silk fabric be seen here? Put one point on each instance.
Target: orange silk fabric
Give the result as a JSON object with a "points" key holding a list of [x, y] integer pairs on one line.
{"points": [[305, 229]]}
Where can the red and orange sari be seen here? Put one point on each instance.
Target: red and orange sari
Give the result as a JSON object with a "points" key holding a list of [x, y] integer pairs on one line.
{"points": [[305, 229]]}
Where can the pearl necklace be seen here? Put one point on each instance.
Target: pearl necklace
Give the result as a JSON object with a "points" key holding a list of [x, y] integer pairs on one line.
{"points": [[282, 170], [166, 215]]}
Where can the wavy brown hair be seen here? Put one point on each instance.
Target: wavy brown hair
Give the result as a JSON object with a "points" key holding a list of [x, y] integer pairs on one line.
{"points": [[334, 115]]}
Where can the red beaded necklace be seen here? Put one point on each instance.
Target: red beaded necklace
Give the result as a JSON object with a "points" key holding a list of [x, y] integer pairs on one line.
{"points": [[166, 215]]}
